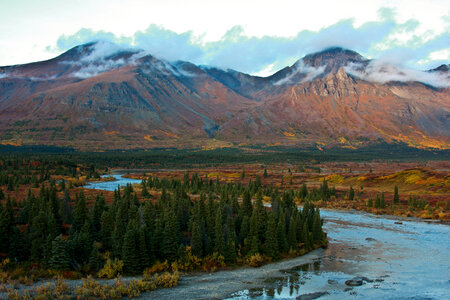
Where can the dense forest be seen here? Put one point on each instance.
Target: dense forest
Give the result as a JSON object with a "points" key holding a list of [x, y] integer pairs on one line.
{"points": [[222, 223], [170, 157]]}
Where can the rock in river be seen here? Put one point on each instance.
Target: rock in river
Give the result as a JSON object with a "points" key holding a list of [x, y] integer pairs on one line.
{"points": [[311, 296], [355, 281]]}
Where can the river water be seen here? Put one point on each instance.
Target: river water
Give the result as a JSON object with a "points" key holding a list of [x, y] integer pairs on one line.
{"points": [[405, 261], [410, 260], [111, 185]]}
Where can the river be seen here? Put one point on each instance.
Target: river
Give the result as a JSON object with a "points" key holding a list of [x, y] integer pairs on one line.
{"points": [[410, 260]]}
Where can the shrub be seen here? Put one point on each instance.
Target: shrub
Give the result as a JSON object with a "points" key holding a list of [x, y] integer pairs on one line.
{"points": [[136, 287], [213, 262], [15, 295], [167, 280], [158, 267], [60, 289], [188, 262], [256, 260], [3, 276], [111, 269]]}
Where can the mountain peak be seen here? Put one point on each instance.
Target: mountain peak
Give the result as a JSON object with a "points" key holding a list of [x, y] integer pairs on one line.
{"points": [[441, 68], [333, 58]]}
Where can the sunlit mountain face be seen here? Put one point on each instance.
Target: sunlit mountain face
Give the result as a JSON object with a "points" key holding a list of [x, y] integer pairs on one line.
{"points": [[100, 95]]}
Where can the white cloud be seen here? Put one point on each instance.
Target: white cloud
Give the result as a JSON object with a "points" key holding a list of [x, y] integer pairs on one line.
{"points": [[382, 71], [307, 73], [256, 55]]}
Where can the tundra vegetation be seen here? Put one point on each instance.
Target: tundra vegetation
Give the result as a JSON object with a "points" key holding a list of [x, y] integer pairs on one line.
{"points": [[212, 212]]}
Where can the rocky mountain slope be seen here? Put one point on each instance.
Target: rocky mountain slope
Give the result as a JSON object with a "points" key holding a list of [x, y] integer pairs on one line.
{"points": [[90, 98]]}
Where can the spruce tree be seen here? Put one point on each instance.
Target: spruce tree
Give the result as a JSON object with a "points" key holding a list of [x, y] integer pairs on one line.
{"points": [[230, 252], [219, 242], [396, 195], [95, 259], [292, 233], [351, 193], [170, 238], [271, 245], [247, 207], [196, 240], [306, 237], [144, 192], [317, 227], [281, 233], [59, 259], [253, 236], [382, 201], [130, 256], [79, 213], [143, 251]]}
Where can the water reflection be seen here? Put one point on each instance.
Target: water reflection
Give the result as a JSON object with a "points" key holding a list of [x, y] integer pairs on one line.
{"points": [[391, 257]]}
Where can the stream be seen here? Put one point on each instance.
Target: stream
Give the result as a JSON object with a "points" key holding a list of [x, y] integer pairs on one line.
{"points": [[407, 259]]}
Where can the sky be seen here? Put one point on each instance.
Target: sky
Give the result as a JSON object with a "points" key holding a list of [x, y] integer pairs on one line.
{"points": [[253, 36]]}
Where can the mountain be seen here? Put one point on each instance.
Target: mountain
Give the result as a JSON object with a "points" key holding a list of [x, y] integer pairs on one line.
{"points": [[101, 96]]}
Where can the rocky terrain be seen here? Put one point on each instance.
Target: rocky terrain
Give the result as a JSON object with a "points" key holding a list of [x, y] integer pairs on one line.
{"points": [[104, 97]]}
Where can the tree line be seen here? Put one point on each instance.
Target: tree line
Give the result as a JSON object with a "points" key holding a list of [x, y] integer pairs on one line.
{"points": [[210, 217]]}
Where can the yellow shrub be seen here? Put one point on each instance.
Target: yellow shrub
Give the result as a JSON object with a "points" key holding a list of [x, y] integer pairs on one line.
{"points": [[167, 280], [158, 267], [3, 276], [213, 262], [255, 260], [188, 262], [111, 269]]}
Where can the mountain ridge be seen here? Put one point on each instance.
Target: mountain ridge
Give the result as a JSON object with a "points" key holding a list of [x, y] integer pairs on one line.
{"points": [[129, 99]]}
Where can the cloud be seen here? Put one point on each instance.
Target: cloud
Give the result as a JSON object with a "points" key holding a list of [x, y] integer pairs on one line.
{"points": [[307, 73], [400, 43], [382, 71], [102, 57]]}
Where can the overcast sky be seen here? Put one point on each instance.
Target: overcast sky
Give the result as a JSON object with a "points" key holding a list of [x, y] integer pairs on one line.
{"points": [[254, 36]]}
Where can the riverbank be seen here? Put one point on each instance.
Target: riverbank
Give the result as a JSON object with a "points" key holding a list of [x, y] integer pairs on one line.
{"points": [[217, 285], [223, 284]]}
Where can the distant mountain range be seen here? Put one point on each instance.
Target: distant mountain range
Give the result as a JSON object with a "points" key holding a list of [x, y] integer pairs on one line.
{"points": [[98, 96]]}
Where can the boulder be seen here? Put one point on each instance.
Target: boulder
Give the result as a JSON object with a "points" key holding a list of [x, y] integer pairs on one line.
{"points": [[355, 281], [311, 296]]}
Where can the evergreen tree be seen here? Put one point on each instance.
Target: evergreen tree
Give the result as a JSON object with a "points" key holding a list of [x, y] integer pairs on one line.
{"points": [[351, 193], [271, 244], [292, 233], [247, 207], [304, 191], [17, 247], [196, 240], [396, 195], [80, 213], [59, 259], [95, 259], [382, 201], [144, 192], [230, 252], [253, 236], [265, 173], [130, 256], [281, 232], [170, 239], [305, 237], [143, 251], [317, 227], [219, 245]]}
